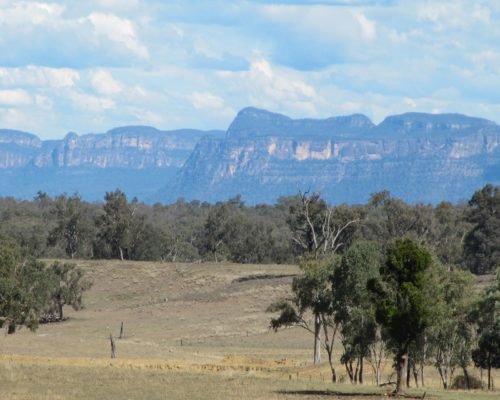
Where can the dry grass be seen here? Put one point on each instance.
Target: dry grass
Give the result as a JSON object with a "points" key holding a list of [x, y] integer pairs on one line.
{"points": [[191, 331]]}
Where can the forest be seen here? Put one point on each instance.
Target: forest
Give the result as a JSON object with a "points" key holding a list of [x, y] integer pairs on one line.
{"points": [[463, 236]]}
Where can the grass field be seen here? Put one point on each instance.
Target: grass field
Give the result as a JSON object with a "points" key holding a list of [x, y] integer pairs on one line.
{"points": [[192, 331]]}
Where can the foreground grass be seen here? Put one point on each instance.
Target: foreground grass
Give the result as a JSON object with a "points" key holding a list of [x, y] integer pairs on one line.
{"points": [[196, 331], [22, 380]]}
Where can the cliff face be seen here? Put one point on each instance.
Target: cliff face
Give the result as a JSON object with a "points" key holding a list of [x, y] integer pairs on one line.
{"points": [[17, 148], [137, 159], [134, 147], [262, 156], [419, 157]]}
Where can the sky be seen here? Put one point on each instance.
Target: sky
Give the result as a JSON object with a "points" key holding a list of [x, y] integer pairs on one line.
{"points": [[88, 66]]}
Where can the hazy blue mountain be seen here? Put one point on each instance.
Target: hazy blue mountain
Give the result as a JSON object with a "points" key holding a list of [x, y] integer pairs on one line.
{"points": [[137, 159], [418, 157], [252, 122], [262, 156]]}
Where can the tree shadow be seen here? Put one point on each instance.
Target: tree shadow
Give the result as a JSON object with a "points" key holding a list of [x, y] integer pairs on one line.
{"points": [[328, 393], [333, 393]]}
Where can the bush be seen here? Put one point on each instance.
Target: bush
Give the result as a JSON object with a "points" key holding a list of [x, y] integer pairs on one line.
{"points": [[459, 382]]}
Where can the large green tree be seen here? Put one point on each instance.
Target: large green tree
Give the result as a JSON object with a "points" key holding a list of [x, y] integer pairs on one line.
{"points": [[115, 225], [450, 337], [482, 243], [361, 335], [486, 314], [72, 224], [311, 307], [25, 288], [67, 288], [403, 300]]}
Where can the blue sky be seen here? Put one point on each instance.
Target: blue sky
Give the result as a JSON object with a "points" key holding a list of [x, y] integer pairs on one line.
{"points": [[88, 66]]}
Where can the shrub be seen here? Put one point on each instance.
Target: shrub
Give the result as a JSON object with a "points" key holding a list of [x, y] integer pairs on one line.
{"points": [[459, 382]]}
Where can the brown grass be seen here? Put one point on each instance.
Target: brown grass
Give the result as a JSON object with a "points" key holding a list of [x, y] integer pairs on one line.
{"points": [[191, 331]]}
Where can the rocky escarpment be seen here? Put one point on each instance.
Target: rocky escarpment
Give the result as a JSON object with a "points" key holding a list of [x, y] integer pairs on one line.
{"points": [[137, 159], [419, 157], [17, 149], [134, 147], [262, 156]]}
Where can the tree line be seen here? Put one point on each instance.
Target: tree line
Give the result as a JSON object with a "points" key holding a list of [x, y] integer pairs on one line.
{"points": [[464, 236]]}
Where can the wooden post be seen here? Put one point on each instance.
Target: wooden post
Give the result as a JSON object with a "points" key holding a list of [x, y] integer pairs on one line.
{"points": [[113, 345], [121, 331]]}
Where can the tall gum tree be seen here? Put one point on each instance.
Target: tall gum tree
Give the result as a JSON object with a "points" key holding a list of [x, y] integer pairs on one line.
{"points": [[312, 295], [403, 300]]}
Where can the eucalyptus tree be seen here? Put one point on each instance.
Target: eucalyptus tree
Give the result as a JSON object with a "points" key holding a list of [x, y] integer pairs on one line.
{"points": [[450, 338], [319, 229], [486, 315], [403, 299], [67, 288], [72, 228], [114, 225], [354, 310], [311, 297], [25, 288], [482, 243]]}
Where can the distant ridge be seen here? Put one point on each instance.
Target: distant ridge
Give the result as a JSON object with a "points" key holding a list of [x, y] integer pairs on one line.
{"points": [[262, 156], [417, 156], [137, 159]]}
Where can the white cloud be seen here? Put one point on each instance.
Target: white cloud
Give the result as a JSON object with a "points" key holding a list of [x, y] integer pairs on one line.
{"points": [[116, 4], [145, 116], [104, 83], [15, 97], [25, 12], [118, 30], [446, 15], [87, 102], [39, 77], [277, 85], [322, 22], [308, 58], [487, 60], [203, 101], [368, 28], [44, 102], [278, 89]]}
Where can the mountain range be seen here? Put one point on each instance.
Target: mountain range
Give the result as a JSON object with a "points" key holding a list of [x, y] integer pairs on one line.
{"points": [[262, 156]]}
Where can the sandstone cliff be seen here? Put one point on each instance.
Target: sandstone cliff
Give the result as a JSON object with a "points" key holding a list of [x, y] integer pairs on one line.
{"points": [[419, 157]]}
